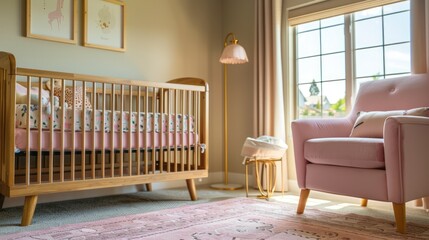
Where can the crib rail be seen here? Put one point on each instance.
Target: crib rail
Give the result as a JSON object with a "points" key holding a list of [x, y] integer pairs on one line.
{"points": [[166, 129]]}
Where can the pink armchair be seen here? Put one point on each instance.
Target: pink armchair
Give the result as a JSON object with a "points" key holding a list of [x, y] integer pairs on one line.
{"points": [[394, 168]]}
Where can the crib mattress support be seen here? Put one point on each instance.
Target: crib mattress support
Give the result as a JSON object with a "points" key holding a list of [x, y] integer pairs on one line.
{"points": [[87, 184]]}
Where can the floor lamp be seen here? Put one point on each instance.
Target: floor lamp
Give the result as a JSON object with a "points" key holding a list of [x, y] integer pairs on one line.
{"points": [[233, 53]]}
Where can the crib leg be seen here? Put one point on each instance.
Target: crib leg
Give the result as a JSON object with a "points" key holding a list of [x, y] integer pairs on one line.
{"points": [[191, 189], [29, 207], [149, 187], [1, 201]]}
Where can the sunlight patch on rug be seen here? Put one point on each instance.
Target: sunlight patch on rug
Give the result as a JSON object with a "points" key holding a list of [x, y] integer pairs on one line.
{"points": [[295, 199], [237, 218]]}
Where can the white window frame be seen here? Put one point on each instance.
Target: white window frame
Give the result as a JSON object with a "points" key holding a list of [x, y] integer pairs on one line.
{"points": [[350, 81]]}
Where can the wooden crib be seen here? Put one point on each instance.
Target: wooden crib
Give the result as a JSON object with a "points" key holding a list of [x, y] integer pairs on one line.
{"points": [[128, 133]]}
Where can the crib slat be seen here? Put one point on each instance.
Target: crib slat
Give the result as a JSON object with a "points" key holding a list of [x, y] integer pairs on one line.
{"points": [[130, 114], [94, 110], [121, 132], [27, 155], [175, 102], [62, 117], [83, 131], [138, 129], [103, 132], [154, 113], [39, 150], [168, 129], [51, 134], [189, 131], [183, 105], [73, 147], [146, 113], [112, 134], [161, 131], [196, 112]]}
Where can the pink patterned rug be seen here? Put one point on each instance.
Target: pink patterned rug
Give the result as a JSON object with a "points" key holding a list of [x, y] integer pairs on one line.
{"points": [[238, 218]]}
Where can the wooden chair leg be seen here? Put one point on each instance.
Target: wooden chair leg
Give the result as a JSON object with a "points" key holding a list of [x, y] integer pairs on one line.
{"points": [[191, 189], [364, 202], [149, 187], [302, 200], [399, 211], [29, 207], [426, 203], [418, 202]]}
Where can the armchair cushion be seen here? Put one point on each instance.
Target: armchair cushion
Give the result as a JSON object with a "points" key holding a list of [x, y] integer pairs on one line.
{"points": [[370, 124], [346, 152]]}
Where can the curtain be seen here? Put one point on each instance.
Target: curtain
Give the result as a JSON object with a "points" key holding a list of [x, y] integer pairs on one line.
{"points": [[419, 52], [269, 104]]}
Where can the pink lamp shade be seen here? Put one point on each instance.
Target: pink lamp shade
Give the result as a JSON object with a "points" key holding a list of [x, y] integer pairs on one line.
{"points": [[233, 54]]}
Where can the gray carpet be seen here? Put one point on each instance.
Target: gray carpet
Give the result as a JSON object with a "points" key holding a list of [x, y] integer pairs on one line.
{"points": [[91, 209]]}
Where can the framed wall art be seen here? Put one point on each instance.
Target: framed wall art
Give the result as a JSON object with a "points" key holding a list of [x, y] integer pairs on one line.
{"points": [[53, 20], [104, 24]]}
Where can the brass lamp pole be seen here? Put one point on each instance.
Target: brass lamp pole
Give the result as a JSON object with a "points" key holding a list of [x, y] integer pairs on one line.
{"points": [[233, 53]]}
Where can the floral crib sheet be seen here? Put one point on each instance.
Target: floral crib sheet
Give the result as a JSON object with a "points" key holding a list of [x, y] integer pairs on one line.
{"points": [[153, 120]]}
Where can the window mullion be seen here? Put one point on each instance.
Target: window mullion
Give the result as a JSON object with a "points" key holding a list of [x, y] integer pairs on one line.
{"points": [[321, 70], [349, 44], [384, 42]]}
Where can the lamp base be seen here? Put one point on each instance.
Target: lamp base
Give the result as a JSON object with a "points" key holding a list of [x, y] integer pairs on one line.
{"points": [[229, 186]]}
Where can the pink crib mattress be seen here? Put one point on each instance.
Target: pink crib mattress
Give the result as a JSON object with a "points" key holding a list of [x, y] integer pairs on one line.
{"points": [[147, 140], [149, 122]]}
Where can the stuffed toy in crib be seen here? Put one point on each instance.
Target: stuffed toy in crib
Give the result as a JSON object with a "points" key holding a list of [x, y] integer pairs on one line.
{"points": [[21, 98], [79, 100]]}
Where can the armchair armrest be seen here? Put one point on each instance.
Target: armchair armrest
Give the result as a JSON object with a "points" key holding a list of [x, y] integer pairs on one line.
{"points": [[406, 150], [304, 129]]}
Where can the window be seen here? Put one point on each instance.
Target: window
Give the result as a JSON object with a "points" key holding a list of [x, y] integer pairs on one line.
{"points": [[335, 55]]}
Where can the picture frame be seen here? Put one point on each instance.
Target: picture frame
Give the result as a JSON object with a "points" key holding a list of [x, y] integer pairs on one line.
{"points": [[104, 24], [52, 20]]}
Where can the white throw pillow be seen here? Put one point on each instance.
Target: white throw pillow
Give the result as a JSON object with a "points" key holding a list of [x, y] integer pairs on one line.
{"points": [[370, 124]]}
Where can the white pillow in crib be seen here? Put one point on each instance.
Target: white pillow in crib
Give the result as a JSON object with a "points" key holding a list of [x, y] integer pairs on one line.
{"points": [[21, 94]]}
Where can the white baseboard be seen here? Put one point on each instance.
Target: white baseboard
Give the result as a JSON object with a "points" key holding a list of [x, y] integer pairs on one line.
{"points": [[237, 178]]}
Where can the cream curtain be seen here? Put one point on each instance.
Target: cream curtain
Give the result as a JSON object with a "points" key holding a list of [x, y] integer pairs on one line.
{"points": [[269, 106], [418, 52]]}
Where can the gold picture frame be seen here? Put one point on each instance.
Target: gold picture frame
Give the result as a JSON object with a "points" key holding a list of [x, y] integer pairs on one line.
{"points": [[104, 24], [52, 20]]}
